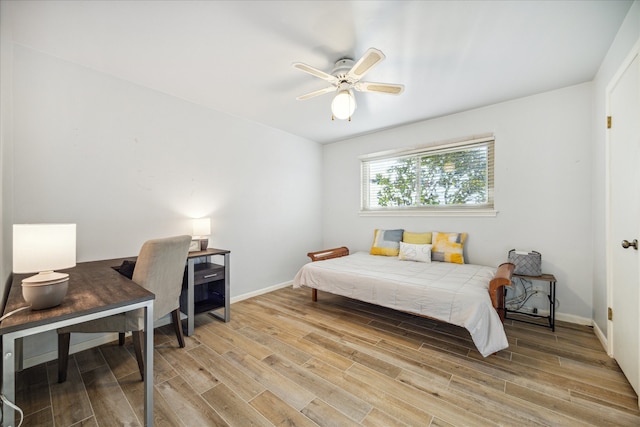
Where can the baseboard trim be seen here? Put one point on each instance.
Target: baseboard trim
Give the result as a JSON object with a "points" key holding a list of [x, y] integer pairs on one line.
{"points": [[571, 318], [261, 291], [602, 337]]}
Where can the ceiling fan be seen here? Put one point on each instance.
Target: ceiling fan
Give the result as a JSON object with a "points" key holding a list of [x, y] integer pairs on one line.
{"points": [[344, 78]]}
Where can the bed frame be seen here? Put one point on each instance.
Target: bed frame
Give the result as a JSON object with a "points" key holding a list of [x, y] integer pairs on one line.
{"points": [[501, 279]]}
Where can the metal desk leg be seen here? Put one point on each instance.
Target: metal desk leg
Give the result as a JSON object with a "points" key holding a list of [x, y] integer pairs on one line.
{"points": [[552, 305], [190, 298], [227, 289], [8, 379], [19, 354], [148, 367]]}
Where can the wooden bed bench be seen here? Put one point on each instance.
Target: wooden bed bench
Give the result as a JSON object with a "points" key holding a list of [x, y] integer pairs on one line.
{"points": [[344, 279]]}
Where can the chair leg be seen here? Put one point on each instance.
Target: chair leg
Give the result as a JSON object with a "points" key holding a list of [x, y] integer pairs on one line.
{"points": [[121, 339], [64, 341], [138, 339], [177, 325]]}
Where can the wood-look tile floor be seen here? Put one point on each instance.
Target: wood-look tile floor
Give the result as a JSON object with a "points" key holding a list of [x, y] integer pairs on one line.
{"points": [[286, 361]]}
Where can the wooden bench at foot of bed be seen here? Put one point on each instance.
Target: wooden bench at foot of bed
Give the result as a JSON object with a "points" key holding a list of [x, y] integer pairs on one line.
{"points": [[501, 279]]}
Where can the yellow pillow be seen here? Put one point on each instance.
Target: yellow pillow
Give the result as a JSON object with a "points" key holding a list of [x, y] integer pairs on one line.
{"points": [[448, 247], [416, 238], [386, 242]]}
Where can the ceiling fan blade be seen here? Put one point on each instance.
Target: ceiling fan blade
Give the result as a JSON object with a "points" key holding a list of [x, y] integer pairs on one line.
{"points": [[316, 93], [315, 72], [370, 59], [390, 88]]}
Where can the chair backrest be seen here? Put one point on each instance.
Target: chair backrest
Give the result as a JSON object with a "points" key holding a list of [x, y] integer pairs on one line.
{"points": [[160, 269]]}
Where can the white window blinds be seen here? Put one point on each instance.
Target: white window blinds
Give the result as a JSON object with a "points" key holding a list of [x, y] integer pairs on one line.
{"points": [[453, 176]]}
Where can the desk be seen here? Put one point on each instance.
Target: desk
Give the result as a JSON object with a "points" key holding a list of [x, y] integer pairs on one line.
{"points": [[191, 259], [95, 290]]}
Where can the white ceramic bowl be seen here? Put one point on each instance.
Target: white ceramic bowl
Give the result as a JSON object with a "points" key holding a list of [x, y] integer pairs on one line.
{"points": [[44, 295]]}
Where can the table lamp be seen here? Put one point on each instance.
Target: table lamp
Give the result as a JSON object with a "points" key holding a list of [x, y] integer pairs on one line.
{"points": [[202, 230], [43, 248]]}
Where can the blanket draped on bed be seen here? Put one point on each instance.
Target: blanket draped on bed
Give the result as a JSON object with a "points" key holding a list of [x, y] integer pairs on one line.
{"points": [[454, 293]]}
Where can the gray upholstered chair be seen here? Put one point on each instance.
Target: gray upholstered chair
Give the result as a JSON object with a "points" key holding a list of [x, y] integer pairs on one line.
{"points": [[160, 269]]}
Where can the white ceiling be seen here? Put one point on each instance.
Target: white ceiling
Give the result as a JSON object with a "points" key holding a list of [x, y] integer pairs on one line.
{"points": [[236, 56]]}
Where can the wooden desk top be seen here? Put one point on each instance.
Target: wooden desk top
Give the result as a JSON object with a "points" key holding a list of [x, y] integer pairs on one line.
{"points": [[207, 252], [93, 287]]}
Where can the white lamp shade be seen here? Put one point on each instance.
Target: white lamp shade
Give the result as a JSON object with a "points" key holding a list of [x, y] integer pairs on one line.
{"points": [[43, 247], [343, 105], [201, 227]]}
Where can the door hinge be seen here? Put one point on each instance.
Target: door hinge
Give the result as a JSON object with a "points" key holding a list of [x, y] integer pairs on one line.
{"points": [[608, 122], [609, 313]]}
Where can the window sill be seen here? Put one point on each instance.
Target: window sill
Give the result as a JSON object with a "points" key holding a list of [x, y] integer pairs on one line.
{"points": [[433, 213]]}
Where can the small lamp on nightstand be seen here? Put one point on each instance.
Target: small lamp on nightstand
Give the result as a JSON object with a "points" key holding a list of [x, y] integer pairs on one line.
{"points": [[43, 248], [202, 230]]}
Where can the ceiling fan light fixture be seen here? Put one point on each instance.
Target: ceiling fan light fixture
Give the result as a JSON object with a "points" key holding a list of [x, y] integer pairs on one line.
{"points": [[344, 79], [343, 104]]}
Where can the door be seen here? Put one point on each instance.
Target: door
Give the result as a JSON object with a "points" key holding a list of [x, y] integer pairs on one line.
{"points": [[624, 218]]}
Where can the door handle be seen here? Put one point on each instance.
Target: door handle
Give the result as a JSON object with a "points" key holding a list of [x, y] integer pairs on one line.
{"points": [[634, 244]]}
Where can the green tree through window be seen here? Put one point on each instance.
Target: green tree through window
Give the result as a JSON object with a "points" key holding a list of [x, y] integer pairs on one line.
{"points": [[397, 185], [441, 177]]}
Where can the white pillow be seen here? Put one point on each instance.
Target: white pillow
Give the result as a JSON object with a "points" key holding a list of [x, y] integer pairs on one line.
{"points": [[414, 252]]}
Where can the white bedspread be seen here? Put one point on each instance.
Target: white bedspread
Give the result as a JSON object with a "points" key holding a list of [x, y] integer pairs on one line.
{"points": [[454, 293]]}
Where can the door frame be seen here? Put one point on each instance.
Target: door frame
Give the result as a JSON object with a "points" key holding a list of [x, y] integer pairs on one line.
{"points": [[609, 244]]}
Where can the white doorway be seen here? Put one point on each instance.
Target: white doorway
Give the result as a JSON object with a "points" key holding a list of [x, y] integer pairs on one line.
{"points": [[623, 254]]}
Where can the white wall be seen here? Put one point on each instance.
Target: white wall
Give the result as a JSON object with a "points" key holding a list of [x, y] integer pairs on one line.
{"points": [[542, 188], [627, 36], [128, 164]]}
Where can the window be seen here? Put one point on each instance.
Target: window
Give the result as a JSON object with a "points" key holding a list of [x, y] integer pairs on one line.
{"points": [[446, 179]]}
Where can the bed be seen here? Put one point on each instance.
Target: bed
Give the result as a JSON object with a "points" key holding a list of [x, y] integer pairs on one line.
{"points": [[466, 295]]}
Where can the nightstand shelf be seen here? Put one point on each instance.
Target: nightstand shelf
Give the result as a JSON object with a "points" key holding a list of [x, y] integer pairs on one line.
{"points": [[208, 291], [551, 297]]}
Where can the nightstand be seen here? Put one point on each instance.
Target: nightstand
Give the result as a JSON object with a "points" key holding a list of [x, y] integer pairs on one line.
{"points": [[551, 296], [206, 286]]}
